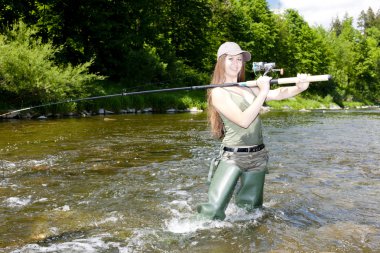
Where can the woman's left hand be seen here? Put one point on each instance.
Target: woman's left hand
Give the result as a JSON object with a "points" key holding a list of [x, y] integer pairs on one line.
{"points": [[302, 83]]}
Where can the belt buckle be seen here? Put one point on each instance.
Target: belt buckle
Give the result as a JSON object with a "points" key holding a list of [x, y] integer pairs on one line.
{"points": [[247, 149]]}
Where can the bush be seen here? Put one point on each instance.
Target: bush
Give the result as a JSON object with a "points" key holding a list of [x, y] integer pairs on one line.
{"points": [[29, 75]]}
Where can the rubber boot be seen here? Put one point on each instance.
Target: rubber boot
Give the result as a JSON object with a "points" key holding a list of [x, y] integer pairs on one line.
{"points": [[220, 191], [251, 192]]}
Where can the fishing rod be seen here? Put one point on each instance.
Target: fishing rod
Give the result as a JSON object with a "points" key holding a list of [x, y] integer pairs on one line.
{"points": [[252, 83]]}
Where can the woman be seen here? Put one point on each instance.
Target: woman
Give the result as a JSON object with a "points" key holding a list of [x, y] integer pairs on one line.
{"points": [[234, 118]]}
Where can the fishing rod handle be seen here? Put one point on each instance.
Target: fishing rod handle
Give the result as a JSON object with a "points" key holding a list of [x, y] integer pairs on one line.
{"points": [[317, 78]]}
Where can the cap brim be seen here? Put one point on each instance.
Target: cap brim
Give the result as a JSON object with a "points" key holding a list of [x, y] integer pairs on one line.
{"points": [[246, 55]]}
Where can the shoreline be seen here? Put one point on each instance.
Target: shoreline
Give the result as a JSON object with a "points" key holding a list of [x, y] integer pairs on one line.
{"points": [[103, 112]]}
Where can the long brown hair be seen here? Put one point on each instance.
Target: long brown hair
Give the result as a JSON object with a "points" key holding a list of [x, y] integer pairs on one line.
{"points": [[215, 121]]}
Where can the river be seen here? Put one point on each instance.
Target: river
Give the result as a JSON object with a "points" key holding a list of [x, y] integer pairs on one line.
{"points": [[131, 183]]}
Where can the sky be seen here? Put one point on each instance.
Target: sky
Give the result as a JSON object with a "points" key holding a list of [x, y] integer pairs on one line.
{"points": [[322, 12]]}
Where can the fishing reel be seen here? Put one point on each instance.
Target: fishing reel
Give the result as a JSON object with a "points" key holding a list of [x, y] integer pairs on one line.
{"points": [[266, 67]]}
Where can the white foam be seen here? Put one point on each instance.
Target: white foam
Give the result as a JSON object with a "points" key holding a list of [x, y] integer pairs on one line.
{"points": [[177, 192], [7, 168], [237, 214], [139, 239], [49, 161], [7, 164], [42, 200], [186, 221], [181, 205], [64, 208], [88, 245], [18, 202], [270, 204], [193, 224], [113, 218]]}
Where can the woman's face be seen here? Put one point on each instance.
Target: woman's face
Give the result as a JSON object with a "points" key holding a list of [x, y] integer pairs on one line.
{"points": [[233, 65]]}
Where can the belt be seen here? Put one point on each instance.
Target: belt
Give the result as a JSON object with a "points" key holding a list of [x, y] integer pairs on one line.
{"points": [[247, 149]]}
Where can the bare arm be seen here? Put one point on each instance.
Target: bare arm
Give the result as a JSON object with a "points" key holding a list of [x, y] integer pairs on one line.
{"points": [[283, 93], [289, 91]]}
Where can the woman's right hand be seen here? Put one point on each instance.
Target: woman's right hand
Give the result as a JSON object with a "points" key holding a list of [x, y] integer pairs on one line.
{"points": [[263, 84]]}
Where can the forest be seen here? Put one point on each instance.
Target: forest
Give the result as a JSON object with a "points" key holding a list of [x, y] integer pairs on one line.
{"points": [[52, 50]]}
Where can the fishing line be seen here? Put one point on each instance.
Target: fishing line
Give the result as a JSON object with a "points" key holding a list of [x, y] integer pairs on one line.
{"points": [[280, 81]]}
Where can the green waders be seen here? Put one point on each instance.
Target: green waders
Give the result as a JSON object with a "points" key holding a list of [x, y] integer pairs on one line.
{"points": [[250, 194], [220, 191]]}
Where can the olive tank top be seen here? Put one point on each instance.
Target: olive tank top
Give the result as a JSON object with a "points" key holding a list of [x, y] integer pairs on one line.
{"points": [[235, 135]]}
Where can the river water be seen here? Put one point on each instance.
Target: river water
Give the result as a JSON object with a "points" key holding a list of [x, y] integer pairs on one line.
{"points": [[131, 183]]}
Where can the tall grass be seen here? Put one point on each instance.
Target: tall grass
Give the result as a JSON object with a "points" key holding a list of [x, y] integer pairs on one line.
{"points": [[299, 102]]}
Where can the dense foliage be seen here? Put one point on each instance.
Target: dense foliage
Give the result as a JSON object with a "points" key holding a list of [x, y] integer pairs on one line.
{"points": [[144, 44], [29, 74]]}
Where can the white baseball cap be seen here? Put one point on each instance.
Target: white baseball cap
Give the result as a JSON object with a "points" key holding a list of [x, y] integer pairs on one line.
{"points": [[232, 48]]}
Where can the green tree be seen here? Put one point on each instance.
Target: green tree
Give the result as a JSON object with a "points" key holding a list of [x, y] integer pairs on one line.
{"points": [[304, 50], [259, 34], [366, 19], [13, 11], [349, 66], [336, 26], [249, 23], [174, 42], [185, 25], [372, 61]]}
